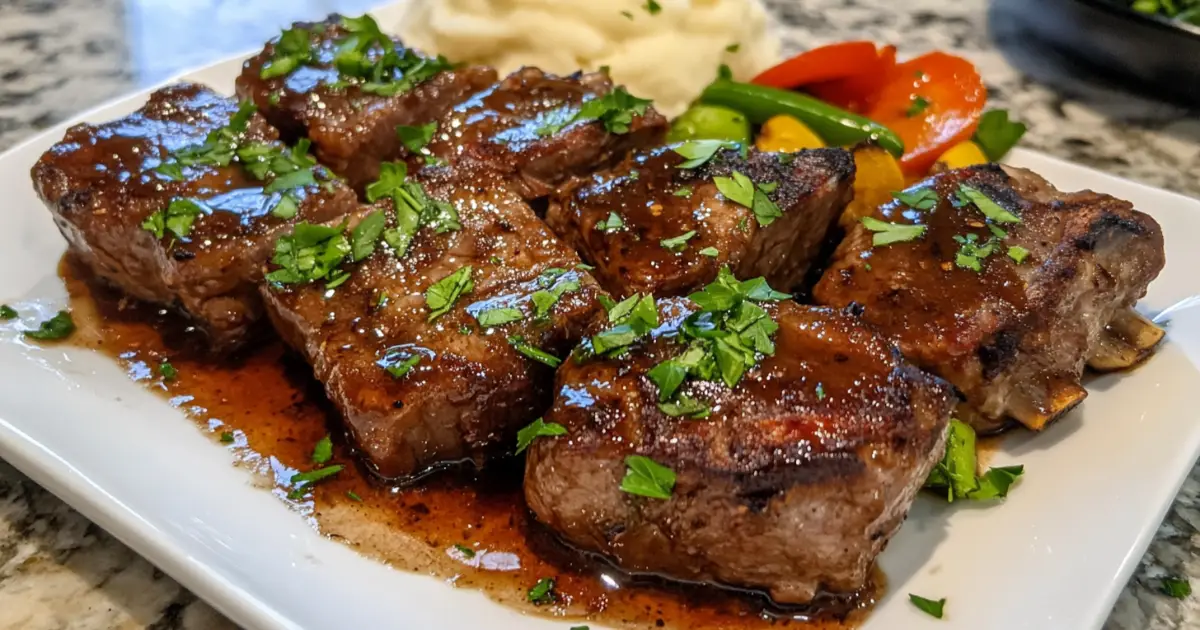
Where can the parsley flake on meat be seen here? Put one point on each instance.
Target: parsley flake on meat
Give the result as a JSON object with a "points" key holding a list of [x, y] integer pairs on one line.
{"points": [[310, 253], [699, 152], [414, 207], [919, 199], [499, 316], [611, 224], [167, 371], [536, 429], [441, 295], [739, 189], [533, 352], [415, 138], [990, 209], [293, 50], [323, 451], [398, 361], [997, 135], [177, 218], [677, 244], [646, 477], [889, 233]]}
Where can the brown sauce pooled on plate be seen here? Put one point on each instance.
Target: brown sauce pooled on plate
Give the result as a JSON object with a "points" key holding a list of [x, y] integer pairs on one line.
{"points": [[472, 531]]}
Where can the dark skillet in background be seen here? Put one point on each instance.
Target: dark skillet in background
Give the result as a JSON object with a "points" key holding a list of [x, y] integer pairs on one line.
{"points": [[1103, 39]]}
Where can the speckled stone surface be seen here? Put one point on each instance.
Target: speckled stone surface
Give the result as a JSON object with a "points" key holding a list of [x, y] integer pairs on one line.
{"points": [[58, 57]]}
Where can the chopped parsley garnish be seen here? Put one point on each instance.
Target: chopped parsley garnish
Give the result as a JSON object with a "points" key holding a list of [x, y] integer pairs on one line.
{"points": [[171, 171], [557, 286], [415, 209], [919, 199], [652, 7], [293, 50], [627, 14], [684, 191], [353, 496], [167, 371], [919, 104], [611, 224], [972, 252], [177, 218], [542, 592], [310, 253], [820, 392], [368, 59], [725, 338], [1018, 253], [366, 234], [323, 451], [305, 480], [416, 137], [221, 144], [990, 209], [499, 316], [684, 405], [631, 318], [997, 135], [711, 252], [732, 48], [1176, 587], [740, 189], [441, 295], [466, 551], [647, 478], [956, 473], [8, 312], [928, 606], [399, 362], [533, 352], [536, 429], [226, 437], [889, 233], [615, 110], [58, 327], [677, 243], [699, 152]]}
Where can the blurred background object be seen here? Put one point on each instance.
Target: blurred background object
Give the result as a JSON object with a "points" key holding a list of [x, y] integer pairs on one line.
{"points": [[1151, 47]]}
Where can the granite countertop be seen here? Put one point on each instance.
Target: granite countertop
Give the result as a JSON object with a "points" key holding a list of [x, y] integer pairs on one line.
{"points": [[58, 57]]}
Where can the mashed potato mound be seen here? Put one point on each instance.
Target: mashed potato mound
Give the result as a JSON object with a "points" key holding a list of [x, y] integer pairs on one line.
{"points": [[668, 56]]}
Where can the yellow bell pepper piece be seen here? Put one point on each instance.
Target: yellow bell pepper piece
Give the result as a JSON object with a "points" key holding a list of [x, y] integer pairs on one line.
{"points": [[877, 176], [785, 133], [963, 155]]}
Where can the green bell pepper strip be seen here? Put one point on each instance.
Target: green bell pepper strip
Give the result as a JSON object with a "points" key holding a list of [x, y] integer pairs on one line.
{"points": [[710, 122], [836, 126]]}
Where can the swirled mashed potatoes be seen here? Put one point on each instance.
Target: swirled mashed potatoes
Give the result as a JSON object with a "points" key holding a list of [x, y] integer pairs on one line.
{"points": [[666, 50]]}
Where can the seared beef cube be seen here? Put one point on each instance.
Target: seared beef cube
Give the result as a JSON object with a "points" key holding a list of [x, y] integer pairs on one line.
{"points": [[1006, 289], [419, 388], [301, 86], [652, 227], [537, 129], [793, 482], [161, 205]]}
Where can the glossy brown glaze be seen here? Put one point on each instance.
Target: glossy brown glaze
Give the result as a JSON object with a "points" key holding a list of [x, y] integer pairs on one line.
{"points": [[273, 414], [353, 131], [471, 390], [510, 128], [1011, 337], [793, 484], [656, 200], [100, 185]]}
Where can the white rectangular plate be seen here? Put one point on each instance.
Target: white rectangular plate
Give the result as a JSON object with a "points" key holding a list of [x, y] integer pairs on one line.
{"points": [[1055, 555]]}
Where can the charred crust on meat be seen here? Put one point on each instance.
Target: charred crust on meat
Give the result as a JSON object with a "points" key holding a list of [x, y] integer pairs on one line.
{"points": [[996, 356]]}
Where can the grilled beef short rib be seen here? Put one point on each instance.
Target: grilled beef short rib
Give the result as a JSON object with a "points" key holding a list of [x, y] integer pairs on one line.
{"points": [[472, 388], [1012, 337], [101, 185], [622, 222], [793, 484], [352, 126], [521, 128]]}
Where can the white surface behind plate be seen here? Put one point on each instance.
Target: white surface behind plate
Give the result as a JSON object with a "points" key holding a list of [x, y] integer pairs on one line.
{"points": [[1054, 556]]}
